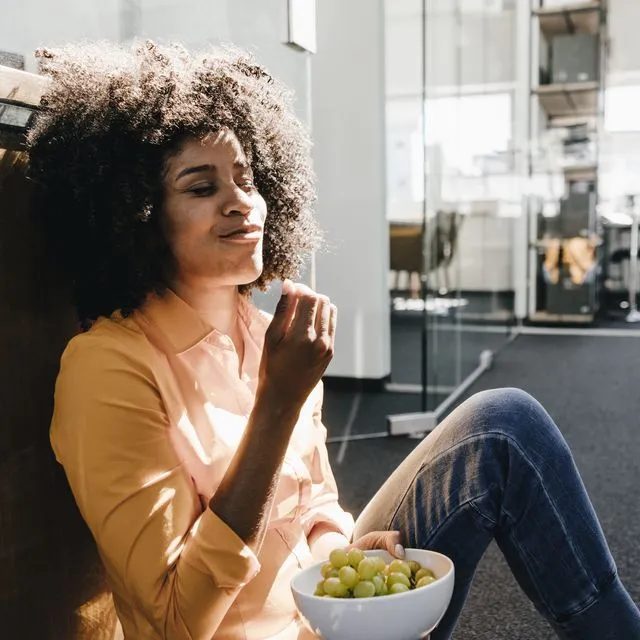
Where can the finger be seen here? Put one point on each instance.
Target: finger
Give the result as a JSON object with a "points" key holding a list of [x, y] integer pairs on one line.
{"points": [[333, 321], [393, 544], [284, 312], [323, 317], [390, 541], [360, 543], [303, 323], [287, 286], [370, 541]]}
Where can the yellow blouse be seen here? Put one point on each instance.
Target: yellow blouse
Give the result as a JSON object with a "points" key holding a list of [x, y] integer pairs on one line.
{"points": [[148, 413]]}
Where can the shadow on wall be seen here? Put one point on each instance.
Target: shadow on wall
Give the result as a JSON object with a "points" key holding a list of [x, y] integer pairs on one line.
{"points": [[52, 584]]}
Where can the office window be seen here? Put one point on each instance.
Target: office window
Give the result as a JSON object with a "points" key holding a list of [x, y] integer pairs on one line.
{"points": [[469, 129]]}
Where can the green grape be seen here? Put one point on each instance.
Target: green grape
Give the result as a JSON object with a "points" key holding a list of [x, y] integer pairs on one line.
{"points": [[378, 581], [364, 589], [353, 574], [422, 573], [398, 587], [334, 588], [328, 571], [414, 566], [356, 556], [367, 569], [349, 577], [400, 566], [338, 558], [380, 564], [424, 581], [398, 578]]}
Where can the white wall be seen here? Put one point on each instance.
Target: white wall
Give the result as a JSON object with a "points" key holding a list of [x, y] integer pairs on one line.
{"points": [[25, 26], [258, 25], [349, 156], [624, 60]]}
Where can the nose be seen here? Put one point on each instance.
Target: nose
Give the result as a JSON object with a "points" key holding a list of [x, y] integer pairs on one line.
{"points": [[237, 202]]}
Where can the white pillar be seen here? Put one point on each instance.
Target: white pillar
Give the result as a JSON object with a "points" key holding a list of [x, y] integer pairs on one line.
{"points": [[348, 103], [522, 144]]}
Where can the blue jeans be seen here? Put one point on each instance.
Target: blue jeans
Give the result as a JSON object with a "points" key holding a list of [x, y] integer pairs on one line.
{"points": [[499, 469]]}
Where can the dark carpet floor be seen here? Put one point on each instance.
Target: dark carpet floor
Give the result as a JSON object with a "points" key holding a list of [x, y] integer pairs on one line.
{"points": [[445, 339], [590, 387]]}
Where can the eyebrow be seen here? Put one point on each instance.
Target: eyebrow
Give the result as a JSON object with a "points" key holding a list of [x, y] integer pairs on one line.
{"points": [[207, 167]]}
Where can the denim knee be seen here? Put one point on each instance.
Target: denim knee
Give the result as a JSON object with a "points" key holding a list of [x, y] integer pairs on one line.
{"points": [[510, 398], [519, 417]]}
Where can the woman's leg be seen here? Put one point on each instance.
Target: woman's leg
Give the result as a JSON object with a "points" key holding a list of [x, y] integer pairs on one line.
{"points": [[498, 468]]}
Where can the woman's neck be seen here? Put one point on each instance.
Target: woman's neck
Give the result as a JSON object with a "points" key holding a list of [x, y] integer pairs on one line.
{"points": [[218, 306]]}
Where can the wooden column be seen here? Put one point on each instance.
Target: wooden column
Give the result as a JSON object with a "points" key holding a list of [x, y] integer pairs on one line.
{"points": [[52, 584]]}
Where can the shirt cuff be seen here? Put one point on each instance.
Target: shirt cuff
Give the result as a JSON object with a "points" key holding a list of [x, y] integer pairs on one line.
{"points": [[218, 551], [334, 516]]}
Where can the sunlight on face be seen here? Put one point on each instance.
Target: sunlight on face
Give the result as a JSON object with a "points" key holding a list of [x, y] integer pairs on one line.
{"points": [[213, 214]]}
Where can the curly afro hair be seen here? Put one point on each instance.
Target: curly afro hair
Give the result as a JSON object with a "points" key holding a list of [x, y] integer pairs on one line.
{"points": [[97, 151]]}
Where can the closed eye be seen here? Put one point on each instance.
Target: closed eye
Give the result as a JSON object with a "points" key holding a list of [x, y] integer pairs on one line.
{"points": [[204, 191]]}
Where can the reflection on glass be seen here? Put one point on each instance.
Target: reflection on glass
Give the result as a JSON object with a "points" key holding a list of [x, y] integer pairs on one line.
{"points": [[453, 194]]}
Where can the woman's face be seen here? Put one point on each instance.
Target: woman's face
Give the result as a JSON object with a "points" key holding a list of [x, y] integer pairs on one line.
{"points": [[213, 214]]}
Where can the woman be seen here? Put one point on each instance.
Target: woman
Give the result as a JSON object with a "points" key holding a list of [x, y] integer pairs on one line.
{"points": [[188, 423]]}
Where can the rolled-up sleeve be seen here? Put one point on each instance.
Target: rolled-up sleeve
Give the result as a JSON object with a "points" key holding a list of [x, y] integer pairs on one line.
{"points": [[181, 567], [324, 506]]}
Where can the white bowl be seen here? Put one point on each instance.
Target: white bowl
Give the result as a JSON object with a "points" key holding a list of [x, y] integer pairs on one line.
{"points": [[403, 616]]}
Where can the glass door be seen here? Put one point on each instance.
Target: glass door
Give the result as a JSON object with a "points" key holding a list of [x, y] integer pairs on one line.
{"points": [[453, 195]]}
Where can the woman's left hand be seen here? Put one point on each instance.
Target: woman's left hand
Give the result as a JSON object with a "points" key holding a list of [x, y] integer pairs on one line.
{"points": [[390, 541]]}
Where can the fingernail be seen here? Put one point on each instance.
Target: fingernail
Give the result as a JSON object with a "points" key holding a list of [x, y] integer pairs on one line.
{"points": [[399, 551]]}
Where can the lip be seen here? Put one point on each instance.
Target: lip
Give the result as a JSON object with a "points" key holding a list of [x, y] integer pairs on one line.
{"points": [[246, 233]]}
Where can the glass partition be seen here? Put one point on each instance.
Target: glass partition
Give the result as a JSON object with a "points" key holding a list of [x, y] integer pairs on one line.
{"points": [[453, 194]]}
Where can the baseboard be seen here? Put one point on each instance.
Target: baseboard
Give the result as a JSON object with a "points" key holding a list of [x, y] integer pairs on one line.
{"points": [[470, 293], [356, 385]]}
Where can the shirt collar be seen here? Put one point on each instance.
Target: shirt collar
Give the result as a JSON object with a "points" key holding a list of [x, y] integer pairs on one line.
{"points": [[181, 323]]}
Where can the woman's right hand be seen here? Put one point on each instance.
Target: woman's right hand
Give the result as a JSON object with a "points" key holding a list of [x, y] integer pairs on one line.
{"points": [[298, 346]]}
